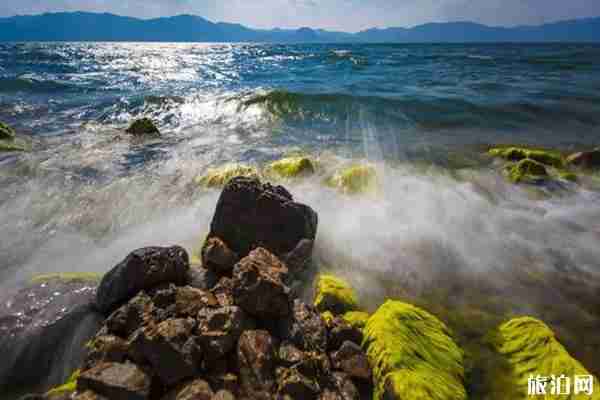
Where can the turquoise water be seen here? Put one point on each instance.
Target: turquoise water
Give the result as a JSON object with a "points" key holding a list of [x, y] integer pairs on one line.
{"points": [[447, 223]]}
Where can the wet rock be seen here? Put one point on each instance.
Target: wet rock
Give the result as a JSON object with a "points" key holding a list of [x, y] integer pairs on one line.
{"points": [[189, 301], [143, 127], [352, 360], [43, 329], [256, 354], [258, 285], [223, 291], [585, 159], [341, 331], [220, 328], [106, 348], [216, 256], [250, 214], [116, 381], [201, 278], [227, 381], [169, 348], [305, 328], [295, 386], [142, 269], [6, 132], [289, 354], [198, 389], [130, 316], [344, 388]]}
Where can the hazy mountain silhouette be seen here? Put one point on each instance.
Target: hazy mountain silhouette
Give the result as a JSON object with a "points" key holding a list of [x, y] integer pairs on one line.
{"points": [[82, 26]]}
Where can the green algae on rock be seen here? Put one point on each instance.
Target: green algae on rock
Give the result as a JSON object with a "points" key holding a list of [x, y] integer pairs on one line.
{"points": [[334, 294], [12, 145], [290, 167], [6, 132], [143, 126], [93, 277], [356, 319], [531, 349], [413, 355], [547, 157], [526, 170], [219, 177], [357, 179], [69, 386]]}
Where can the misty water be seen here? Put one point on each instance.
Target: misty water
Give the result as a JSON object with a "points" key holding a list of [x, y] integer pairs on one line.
{"points": [[447, 231]]}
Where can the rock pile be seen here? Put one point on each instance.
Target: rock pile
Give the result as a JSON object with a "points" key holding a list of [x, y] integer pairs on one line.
{"points": [[243, 335]]}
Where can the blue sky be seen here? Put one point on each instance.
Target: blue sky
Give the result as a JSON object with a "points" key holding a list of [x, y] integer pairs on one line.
{"points": [[348, 15]]}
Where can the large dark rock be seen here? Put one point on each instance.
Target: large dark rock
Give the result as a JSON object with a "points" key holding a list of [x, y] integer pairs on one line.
{"points": [[352, 360], [170, 349], [142, 269], [250, 214], [257, 355], [43, 329], [198, 389], [258, 285], [305, 328], [116, 381]]}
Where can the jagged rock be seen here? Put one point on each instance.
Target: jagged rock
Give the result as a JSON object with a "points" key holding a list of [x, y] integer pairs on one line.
{"points": [[216, 256], [43, 329], [256, 354], [116, 381], [250, 214], [585, 159], [130, 316], [170, 349], [189, 301], [258, 285], [351, 359], [341, 331], [289, 354], [106, 348], [201, 278], [198, 389], [143, 127], [142, 269], [344, 388], [305, 328], [293, 385], [220, 328], [223, 291]]}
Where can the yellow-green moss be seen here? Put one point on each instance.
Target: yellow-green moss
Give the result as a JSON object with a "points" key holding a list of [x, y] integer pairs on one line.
{"points": [[290, 167], [143, 126], [356, 179], [526, 170], [567, 175], [12, 145], [68, 387], [531, 349], [357, 319], [328, 317], [413, 355], [67, 277], [548, 157], [219, 177], [6, 132], [334, 294]]}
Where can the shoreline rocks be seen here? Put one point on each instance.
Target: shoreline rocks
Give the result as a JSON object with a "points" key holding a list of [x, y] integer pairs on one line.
{"points": [[143, 127]]}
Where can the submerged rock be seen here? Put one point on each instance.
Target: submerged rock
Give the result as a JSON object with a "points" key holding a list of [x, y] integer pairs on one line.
{"points": [[531, 349], [290, 167], [219, 177], [250, 214], [142, 269], [334, 294], [357, 179], [413, 355], [143, 127], [585, 159]]}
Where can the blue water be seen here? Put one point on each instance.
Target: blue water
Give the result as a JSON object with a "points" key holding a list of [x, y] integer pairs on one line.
{"points": [[447, 224]]}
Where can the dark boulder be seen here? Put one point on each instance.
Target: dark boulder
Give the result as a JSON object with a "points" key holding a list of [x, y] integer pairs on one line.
{"points": [[143, 127], [292, 385], [305, 328], [130, 316], [201, 278], [220, 328], [257, 355], [142, 269], [216, 256], [169, 348], [258, 285], [116, 381], [341, 331], [352, 360], [250, 214], [198, 389]]}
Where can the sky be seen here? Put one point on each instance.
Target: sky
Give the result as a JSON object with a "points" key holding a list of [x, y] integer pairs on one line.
{"points": [[346, 15]]}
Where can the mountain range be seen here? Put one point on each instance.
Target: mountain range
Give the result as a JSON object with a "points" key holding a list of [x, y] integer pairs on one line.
{"points": [[84, 26]]}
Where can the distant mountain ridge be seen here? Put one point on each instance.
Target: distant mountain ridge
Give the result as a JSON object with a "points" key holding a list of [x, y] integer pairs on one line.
{"points": [[84, 26]]}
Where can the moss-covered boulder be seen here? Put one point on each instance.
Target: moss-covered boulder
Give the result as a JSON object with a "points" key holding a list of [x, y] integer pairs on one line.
{"points": [[6, 132], [143, 127], [334, 294], [413, 355], [547, 157], [526, 170], [290, 167], [531, 349], [70, 386], [357, 179], [356, 319], [219, 177]]}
